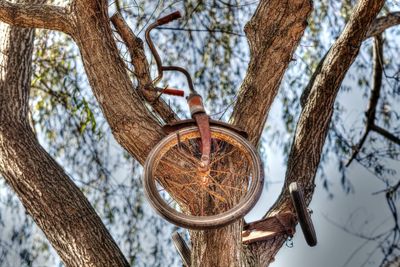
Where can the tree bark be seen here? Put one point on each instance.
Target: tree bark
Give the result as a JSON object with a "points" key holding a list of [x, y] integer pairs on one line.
{"points": [[55, 203], [132, 123], [61, 210], [273, 34], [315, 117], [393, 263]]}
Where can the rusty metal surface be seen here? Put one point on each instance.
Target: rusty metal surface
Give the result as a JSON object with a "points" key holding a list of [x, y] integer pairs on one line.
{"points": [[195, 103], [156, 171], [203, 122], [160, 67], [176, 126]]}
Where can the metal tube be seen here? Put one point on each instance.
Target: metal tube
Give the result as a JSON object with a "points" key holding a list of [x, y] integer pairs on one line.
{"points": [[154, 52], [160, 67]]}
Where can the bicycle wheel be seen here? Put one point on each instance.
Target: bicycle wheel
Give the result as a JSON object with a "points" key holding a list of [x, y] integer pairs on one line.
{"points": [[187, 196], [303, 214], [182, 248]]}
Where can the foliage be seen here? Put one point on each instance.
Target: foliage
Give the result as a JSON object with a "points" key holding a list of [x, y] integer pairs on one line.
{"points": [[210, 42]]}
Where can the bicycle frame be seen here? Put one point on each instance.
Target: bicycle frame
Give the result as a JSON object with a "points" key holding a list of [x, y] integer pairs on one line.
{"points": [[194, 100]]}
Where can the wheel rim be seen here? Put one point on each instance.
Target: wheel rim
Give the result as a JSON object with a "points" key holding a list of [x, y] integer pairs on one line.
{"points": [[197, 199]]}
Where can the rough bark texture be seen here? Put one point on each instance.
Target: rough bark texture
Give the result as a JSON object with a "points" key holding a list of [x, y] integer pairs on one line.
{"points": [[55, 203], [273, 33], [35, 15], [382, 23], [378, 27], [142, 69], [221, 247], [315, 117], [134, 127]]}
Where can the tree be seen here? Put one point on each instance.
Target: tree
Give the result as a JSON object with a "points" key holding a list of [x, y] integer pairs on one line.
{"points": [[57, 205]]}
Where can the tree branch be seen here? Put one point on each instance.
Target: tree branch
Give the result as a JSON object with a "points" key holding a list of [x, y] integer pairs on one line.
{"points": [[273, 34], [385, 134], [134, 127], [375, 93], [32, 15], [315, 117], [142, 71], [55, 203], [383, 23], [378, 27]]}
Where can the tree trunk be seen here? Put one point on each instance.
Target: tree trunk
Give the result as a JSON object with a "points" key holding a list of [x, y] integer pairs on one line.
{"points": [[55, 203], [220, 247]]}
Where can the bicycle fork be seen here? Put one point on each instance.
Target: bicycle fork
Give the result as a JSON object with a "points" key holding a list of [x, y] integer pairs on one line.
{"points": [[194, 100]]}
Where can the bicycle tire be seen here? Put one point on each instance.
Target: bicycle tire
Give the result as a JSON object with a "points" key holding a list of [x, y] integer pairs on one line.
{"points": [[209, 221], [303, 214], [182, 248]]}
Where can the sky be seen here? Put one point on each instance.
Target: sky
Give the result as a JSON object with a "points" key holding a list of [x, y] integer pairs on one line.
{"points": [[336, 215], [359, 212]]}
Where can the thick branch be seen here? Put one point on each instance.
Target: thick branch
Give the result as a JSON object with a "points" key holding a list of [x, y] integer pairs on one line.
{"points": [[133, 126], [378, 27], [32, 15], [273, 33], [315, 117], [142, 71], [55, 203]]}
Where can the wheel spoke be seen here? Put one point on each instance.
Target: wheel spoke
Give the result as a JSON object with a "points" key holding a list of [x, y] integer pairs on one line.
{"points": [[172, 166], [232, 187], [219, 185], [236, 174], [223, 156], [182, 185], [214, 194]]}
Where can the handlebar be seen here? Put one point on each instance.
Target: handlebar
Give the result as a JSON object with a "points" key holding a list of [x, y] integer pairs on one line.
{"points": [[160, 68], [169, 18], [171, 91]]}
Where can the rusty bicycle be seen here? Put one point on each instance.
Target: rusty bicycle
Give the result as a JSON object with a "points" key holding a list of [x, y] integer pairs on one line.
{"points": [[205, 173]]}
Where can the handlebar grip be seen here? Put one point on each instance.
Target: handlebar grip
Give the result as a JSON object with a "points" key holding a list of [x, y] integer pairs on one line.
{"points": [[175, 92], [169, 18]]}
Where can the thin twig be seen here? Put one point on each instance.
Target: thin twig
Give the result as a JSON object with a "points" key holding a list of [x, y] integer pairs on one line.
{"points": [[375, 94]]}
